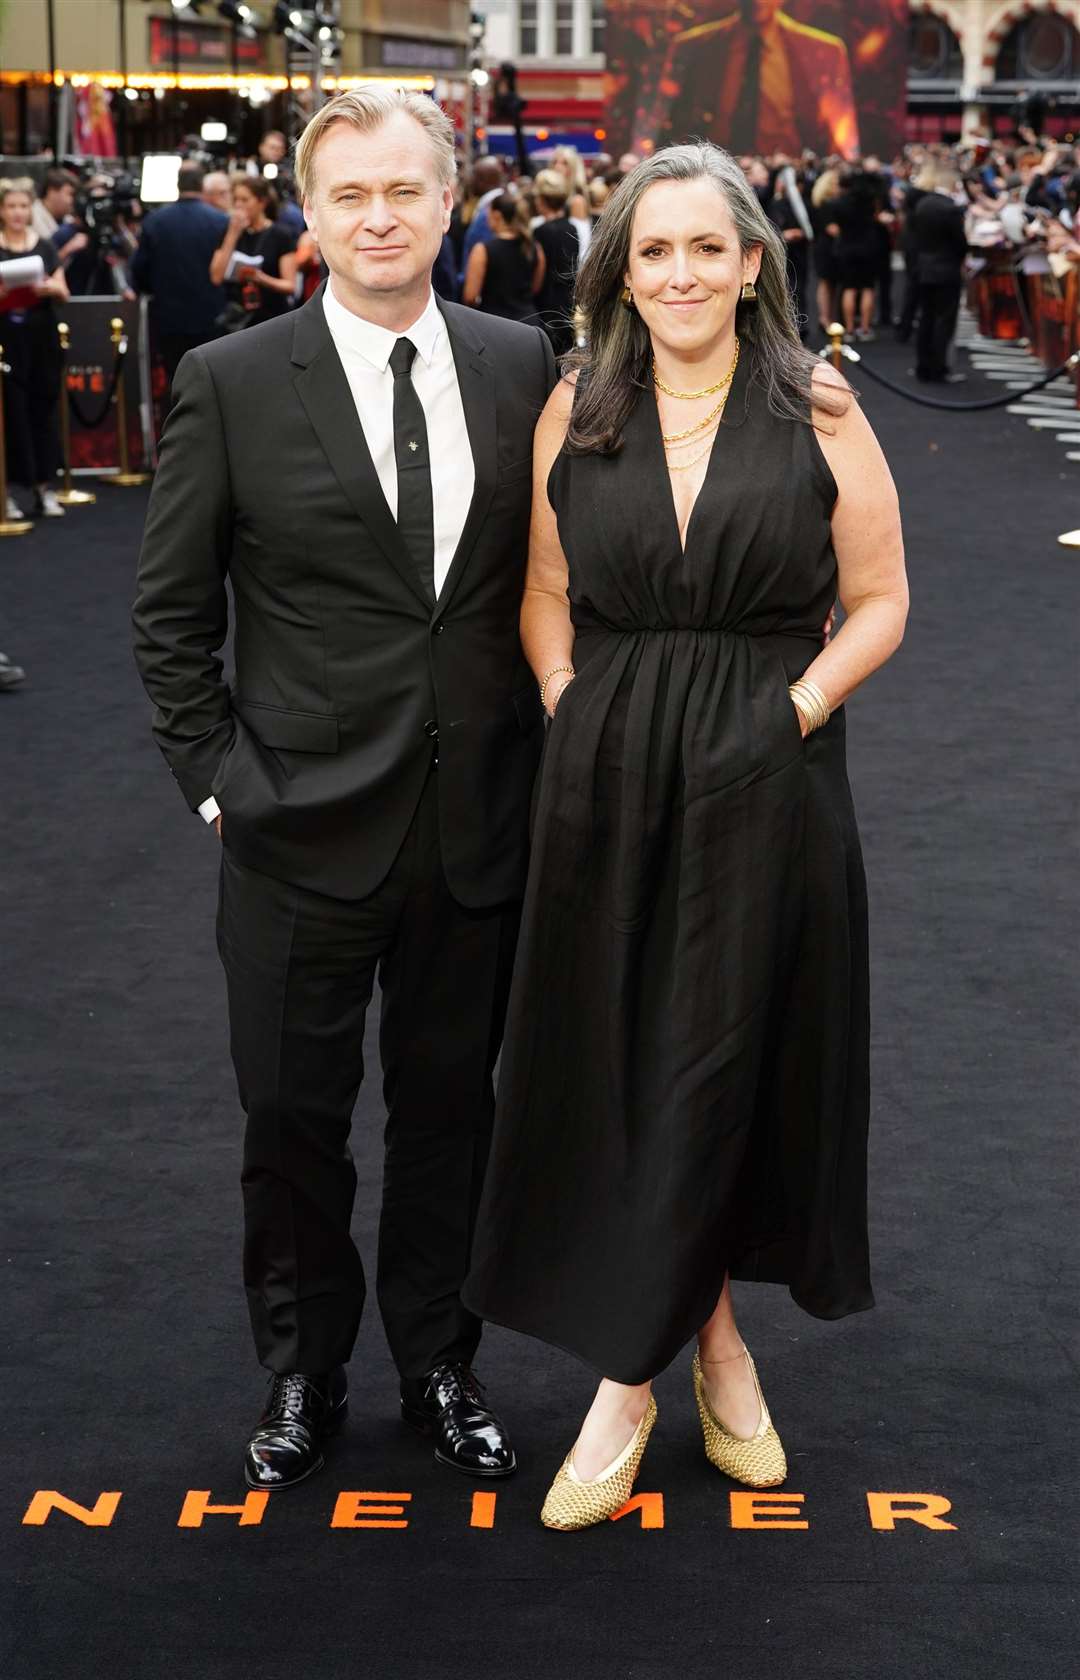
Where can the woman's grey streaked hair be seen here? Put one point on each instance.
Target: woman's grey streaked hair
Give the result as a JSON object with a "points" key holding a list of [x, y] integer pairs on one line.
{"points": [[615, 359]]}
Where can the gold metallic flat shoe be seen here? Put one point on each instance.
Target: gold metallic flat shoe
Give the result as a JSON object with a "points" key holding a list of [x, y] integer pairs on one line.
{"points": [[760, 1461], [572, 1503]]}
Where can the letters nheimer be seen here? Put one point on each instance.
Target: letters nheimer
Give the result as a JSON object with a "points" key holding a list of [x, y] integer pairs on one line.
{"points": [[392, 1510]]}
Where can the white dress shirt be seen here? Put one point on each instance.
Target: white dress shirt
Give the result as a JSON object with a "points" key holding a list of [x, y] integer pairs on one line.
{"points": [[364, 350]]}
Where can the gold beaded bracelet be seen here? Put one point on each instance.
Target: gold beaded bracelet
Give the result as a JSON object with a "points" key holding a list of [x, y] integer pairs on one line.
{"points": [[811, 703], [555, 671]]}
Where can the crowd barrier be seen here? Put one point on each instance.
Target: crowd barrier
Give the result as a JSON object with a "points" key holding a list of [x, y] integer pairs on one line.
{"points": [[1042, 309]]}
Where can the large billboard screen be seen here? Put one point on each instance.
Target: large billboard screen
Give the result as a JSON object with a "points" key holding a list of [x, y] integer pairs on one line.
{"points": [[758, 76]]}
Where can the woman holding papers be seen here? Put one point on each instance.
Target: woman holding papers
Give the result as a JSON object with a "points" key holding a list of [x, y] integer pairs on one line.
{"points": [[262, 287], [30, 280]]}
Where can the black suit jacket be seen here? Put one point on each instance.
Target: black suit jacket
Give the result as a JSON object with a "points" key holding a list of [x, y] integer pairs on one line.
{"points": [[346, 670], [938, 240], [172, 260]]}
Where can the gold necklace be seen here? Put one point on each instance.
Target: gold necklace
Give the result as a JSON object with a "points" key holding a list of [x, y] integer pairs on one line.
{"points": [[709, 391], [677, 437], [684, 466]]}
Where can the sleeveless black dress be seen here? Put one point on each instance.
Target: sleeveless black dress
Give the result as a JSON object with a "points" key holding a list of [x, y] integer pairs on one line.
{"points": [[684, 1085]]}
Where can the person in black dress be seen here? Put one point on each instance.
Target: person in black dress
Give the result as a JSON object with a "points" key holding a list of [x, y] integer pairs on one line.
{"points": [[264, 290], [557, 238], [31, 349], [684, 1091], [505, 272], [823, 193], [855, 224]]}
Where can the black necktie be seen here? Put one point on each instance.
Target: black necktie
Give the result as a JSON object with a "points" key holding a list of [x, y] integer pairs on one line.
{"points": [[744, 119], [415, 516]]}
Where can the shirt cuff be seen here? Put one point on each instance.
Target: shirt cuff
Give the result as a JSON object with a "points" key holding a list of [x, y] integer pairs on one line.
{"points": [[209, 810]]}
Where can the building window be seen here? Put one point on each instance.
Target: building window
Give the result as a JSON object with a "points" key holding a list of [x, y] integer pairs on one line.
{"points": [[527, 42], [1039, 49], [599, 18], [934, 53], [564, 28]]}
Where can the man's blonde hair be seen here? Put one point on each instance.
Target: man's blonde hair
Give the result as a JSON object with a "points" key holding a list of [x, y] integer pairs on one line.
{"points": [[367, 108]]}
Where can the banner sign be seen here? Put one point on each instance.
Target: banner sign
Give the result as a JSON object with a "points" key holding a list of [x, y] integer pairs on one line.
{"points": [[758, 76], [186, 46], [90, 365]]}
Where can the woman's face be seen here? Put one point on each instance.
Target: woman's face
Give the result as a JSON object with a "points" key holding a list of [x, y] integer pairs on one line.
{"points": [[247, 204], [685, 267], [15, 212]]}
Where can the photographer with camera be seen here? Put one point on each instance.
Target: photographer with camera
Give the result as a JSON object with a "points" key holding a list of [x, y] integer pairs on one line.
{"points": [[32, 352], [172, 263], [107, 219], [260, 290]]}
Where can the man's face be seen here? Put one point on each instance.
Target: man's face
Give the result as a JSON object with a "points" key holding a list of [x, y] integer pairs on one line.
{"points": [[378, 208], [272, 147], [60, 201], [217, 190]]}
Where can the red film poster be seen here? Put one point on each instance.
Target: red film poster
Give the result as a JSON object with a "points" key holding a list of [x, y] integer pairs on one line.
{"points": [[758, 76]]}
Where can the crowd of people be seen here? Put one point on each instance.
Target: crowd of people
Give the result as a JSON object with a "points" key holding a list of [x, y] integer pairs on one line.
{"points": [[880, 246]]}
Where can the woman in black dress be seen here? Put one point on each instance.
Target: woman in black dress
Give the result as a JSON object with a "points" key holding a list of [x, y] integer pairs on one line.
{"points": [[504, 273], [32, 352], [684, 1088], [855, 227], [258, 292], [825, 191]]}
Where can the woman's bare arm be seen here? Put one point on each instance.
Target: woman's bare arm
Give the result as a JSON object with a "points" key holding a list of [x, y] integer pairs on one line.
{"points": [[546, 632], [869, 548], [475, 271]]}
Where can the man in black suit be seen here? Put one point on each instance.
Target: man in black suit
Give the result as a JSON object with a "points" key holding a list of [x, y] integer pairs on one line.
{"points": [[361, 473], [172, 263], [939, 243]]}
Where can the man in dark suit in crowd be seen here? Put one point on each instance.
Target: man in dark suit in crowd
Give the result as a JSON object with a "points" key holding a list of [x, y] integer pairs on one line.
{"points": [[940, 246], [172, 263], [361, 472]]}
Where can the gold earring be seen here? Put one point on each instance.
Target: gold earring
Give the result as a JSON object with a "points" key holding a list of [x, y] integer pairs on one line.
{"points": [[749, 292], [627, 298]]}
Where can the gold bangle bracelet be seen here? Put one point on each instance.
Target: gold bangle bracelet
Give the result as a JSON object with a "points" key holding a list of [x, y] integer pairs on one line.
{"points": [[815, 692], [806, 703], [555, 671], [810, 703]]}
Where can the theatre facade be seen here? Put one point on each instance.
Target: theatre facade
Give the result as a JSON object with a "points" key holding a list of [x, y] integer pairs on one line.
{"points": [[969, 62], [145, 73]]}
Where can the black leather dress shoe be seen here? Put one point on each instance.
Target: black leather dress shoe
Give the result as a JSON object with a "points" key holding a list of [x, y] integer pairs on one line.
{"points": [[286, 1446], [449, 1404]]}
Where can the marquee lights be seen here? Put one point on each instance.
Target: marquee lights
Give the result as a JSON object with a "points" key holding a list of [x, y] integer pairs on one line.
{"points": [[164, 80]]}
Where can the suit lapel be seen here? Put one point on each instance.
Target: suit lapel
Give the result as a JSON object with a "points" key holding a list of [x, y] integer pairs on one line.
{"points": [[324, 392], [476, 382]]}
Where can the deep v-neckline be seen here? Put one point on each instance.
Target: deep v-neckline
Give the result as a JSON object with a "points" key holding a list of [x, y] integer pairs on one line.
{"points": [[658, 432]]}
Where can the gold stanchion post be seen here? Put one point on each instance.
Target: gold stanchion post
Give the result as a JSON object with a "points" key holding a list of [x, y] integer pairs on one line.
{"points": [[125, 476], [836, 346], [8, 527], [67, 496]]}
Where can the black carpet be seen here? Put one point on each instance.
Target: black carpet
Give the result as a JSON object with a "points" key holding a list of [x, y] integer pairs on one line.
{"points": [[125, 1349]]}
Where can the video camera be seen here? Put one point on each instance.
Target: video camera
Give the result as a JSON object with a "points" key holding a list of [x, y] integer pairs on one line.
{"points": [[100, 200]]}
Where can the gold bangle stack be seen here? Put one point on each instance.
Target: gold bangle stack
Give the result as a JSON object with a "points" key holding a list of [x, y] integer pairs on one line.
{"points": [[810, 703], [555, 671]]}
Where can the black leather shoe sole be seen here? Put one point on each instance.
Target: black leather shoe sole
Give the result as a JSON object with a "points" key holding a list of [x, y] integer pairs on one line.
{"points": [[421, 1424], [330, 1427]]}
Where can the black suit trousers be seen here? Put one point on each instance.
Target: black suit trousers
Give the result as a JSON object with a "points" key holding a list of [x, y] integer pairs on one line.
{"points": [[939, 306], [301, 969]]}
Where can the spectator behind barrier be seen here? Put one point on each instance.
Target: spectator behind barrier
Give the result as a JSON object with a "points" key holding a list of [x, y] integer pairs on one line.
{"points": [[172, 263], [32, 355]]}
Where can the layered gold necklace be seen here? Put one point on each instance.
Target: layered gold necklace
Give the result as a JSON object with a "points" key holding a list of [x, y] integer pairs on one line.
{"points": [[705, 429]]}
